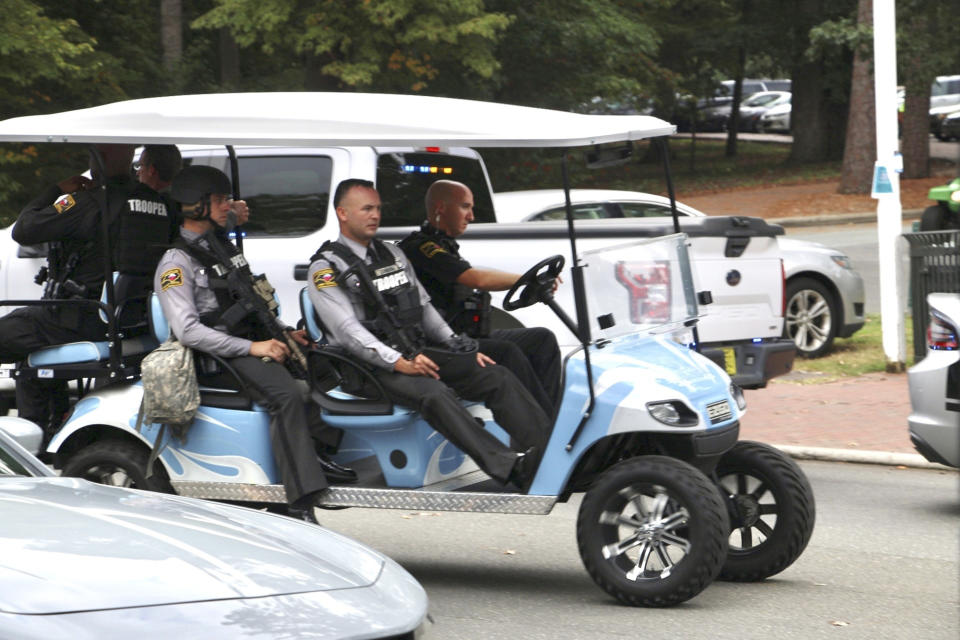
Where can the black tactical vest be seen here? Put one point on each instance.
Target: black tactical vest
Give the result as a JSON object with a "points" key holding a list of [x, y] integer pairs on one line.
{"points": [[399, 294]]}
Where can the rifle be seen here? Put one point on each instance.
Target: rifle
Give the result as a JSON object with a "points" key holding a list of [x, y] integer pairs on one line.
{"points": [[254, 296]]}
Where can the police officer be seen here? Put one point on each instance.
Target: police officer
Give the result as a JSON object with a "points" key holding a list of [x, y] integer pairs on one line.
{"points": [[459, 292], [194, 296], [426, 379], [68, 216]]}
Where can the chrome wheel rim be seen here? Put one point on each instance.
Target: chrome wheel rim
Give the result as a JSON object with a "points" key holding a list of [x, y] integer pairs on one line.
{"points": [[808, 320], [644, 532], [757, 509], [111, 475]]}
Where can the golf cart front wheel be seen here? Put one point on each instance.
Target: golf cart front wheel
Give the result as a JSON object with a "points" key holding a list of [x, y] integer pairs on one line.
{"points": [[772, 511], [652, 531]]}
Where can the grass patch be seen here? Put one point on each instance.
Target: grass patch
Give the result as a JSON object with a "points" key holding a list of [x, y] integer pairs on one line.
{"points": [[700, 166], [860, 353]]}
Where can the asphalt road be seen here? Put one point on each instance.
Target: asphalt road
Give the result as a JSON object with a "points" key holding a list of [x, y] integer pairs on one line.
{"points": [[882, 563]]}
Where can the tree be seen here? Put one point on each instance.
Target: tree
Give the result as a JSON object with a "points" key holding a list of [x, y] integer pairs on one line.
{"points": [[860, 147], [927, 33], [821, 70], [389, 45], [171, 33]]}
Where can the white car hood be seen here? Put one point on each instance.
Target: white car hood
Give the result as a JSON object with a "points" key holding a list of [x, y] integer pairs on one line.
{"points": [[68, 545]]}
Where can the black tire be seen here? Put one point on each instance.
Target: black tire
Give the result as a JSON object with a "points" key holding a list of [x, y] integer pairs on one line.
{"points": [[934, 218], [811, 317], [660, 513], [772, 511], [117, 463]]}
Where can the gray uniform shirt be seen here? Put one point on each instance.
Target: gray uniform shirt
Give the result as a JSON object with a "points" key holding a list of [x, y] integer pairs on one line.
{"points": [[182, 284], [341, 307]]}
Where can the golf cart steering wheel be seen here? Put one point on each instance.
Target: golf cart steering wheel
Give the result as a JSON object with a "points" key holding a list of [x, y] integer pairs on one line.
{"points": [[537, 284]]}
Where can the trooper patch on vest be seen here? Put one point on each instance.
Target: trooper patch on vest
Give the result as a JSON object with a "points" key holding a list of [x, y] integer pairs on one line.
{"points": [[392, 280], [171, 278], [324, 278], [151, 207], [431, 249], [63, 203]]}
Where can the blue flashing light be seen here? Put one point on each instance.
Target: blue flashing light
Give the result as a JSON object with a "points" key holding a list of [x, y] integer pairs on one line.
{"points": [[409, 168], [756, 340], [424, 168]]}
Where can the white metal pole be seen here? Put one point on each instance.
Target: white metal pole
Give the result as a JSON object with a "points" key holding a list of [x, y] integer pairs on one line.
{"points": [[886, 184]]}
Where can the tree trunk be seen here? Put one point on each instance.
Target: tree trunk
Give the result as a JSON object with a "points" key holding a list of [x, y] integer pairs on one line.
{"points": [[229, 60], [915, 141], [171, 33], [860, 149], [733, 123]]}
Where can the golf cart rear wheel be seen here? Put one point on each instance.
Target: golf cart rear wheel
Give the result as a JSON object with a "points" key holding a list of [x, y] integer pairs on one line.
{"points": [[652, 531], [117, 463], [772, 511]]}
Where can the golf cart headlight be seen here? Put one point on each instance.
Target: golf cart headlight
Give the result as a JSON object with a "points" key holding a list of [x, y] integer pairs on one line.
{"points": [[842, 261], [673, 413], [737, 394], [955, 196]]}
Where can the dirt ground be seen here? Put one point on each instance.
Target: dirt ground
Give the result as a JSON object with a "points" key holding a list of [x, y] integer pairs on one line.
{"points": [[818, 198]]}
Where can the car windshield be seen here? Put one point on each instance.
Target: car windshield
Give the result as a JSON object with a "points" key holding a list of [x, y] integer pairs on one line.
{"points": [[11, 465], [640, 287], [759, 101]]}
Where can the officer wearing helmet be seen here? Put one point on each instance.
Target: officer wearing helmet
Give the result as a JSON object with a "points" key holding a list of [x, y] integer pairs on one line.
{"points": [[193, 294]]}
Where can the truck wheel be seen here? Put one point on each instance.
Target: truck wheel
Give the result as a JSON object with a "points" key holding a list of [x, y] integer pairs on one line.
{"points": [[771, 511], [811, 317], [934, 218], [119, 464], [652, 531]]}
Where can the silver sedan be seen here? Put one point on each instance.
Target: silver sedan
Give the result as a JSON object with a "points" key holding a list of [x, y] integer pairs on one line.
{"points": [[934, 383], [80, 560]]}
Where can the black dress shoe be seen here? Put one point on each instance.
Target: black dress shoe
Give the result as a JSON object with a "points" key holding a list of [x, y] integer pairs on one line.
{"points": [[336, 472], [525, 468]]}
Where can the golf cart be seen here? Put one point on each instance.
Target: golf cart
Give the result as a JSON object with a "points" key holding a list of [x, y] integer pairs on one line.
{"points": [[647, 428]]}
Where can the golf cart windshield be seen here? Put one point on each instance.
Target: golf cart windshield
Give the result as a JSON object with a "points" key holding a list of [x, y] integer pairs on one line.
{"points": [[640, 287]]}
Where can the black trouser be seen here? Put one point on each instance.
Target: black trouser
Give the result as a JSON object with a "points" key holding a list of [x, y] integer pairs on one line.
{"points": [[513, 408], [28, 329], [534, 357], [294, 423]]}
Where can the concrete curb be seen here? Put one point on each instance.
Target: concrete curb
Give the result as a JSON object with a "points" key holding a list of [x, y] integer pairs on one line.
{"points": [[912, 460], [839, 218]]}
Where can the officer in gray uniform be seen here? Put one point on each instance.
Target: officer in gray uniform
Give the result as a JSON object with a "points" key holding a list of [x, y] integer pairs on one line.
{"points": [[403, 352], [194, 297]]}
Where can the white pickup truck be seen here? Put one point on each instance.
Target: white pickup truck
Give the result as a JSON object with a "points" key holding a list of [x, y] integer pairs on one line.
{"points": [[289, 190]]}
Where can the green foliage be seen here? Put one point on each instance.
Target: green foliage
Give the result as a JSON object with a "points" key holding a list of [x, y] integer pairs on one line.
{"points": [[390, 45]]}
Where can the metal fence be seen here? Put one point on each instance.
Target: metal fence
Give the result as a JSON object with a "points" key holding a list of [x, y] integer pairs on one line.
{"points": [[934, 268]]}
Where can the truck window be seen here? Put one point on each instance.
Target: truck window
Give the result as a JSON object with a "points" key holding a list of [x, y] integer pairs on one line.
{"points": [[287, 195], [592, 211], [403, 180]]}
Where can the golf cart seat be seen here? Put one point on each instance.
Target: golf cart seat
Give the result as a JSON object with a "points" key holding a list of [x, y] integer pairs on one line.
{"points": [[91, 359]]}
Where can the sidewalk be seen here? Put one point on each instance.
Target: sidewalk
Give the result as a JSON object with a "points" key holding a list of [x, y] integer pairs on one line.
{"points": [[860, 419]]}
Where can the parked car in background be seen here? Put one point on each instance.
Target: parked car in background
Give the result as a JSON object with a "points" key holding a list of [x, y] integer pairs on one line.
{"points": [[948, 125], [82, 560], [758, 104], [944, 91], [938, 116], [775, 119], [713, 112], [824, 294], [934, 382]]}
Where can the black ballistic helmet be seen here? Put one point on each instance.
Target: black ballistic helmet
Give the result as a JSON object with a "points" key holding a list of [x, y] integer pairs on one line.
{"points": [[198, 182]]}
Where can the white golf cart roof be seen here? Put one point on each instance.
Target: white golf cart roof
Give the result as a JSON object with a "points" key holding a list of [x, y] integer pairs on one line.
{"points": [[328, 119]]}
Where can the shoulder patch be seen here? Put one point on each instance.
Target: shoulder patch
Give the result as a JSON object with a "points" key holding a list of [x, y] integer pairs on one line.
{"points": [[324, 278], [431, 249], [64, 203], [171, 278]]}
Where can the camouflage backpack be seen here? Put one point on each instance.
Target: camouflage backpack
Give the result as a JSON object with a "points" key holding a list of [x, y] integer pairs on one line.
{"points": [[171, 395]]}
